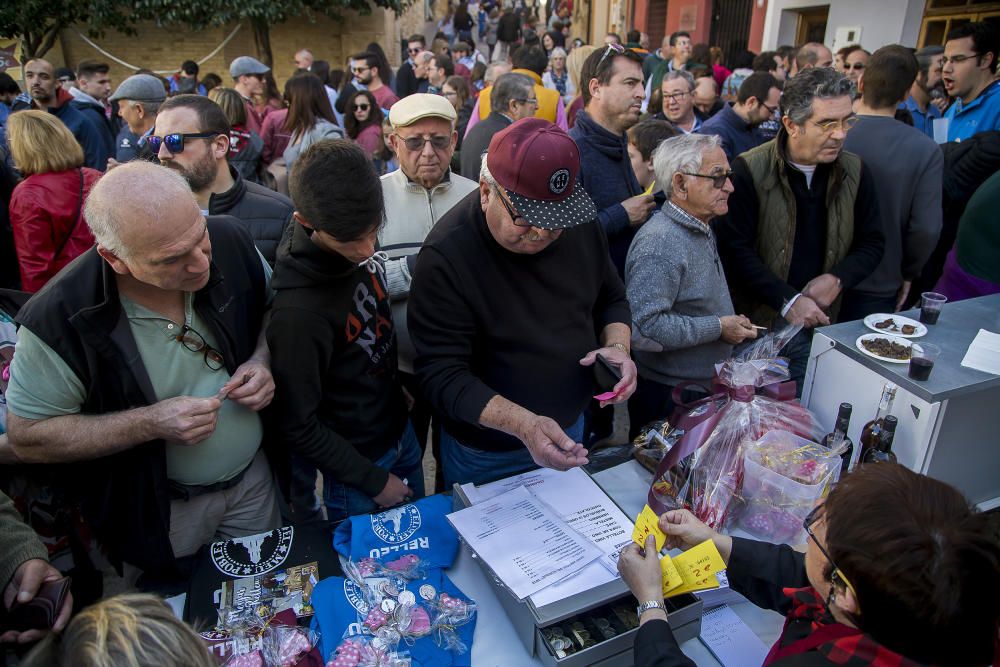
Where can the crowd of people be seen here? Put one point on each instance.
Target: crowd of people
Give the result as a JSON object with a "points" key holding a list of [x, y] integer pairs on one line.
{"points": [[223, 292]]}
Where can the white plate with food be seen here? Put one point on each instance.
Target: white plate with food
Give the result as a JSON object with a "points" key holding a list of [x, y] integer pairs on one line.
{"points": [[894, 349], [896, 325]]}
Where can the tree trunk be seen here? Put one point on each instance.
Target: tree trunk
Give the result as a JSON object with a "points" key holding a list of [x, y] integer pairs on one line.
{"points": [[262, 38], [48, 41]]}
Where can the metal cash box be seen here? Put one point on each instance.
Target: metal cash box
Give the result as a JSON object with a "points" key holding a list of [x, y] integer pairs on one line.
{"points": [[536, 625]]}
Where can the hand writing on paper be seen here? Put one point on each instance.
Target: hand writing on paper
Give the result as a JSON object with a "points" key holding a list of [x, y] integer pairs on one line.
{"points": [[549, 445]]}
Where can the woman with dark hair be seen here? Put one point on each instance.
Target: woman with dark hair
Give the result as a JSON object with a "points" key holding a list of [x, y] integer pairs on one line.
{"points": [[384, 68], [270, 99], [456, 90], [899, 569], [463, 24], [363, 121], [310, 116], [321, 68], [551, 40]]}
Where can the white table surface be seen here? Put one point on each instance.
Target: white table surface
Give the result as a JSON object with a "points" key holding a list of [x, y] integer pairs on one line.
{"points": [[497, 645]]}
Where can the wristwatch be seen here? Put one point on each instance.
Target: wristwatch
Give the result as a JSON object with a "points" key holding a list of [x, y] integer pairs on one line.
{"points": [[649, 604]]}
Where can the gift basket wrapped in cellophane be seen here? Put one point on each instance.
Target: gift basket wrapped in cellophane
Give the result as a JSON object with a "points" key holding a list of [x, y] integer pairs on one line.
{"points": [[698, 453]]}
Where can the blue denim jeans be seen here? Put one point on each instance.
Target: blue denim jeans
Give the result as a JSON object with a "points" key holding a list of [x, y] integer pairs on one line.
{"points": [[403, 460], [463, 464]]}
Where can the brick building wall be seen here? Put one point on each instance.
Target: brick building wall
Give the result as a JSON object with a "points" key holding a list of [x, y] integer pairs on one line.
{"points": [[164, 48]]}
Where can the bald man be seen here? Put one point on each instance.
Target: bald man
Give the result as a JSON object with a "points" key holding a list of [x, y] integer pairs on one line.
{"points": [[304, 59], [144, 366], [48, 95], [813, 54]]}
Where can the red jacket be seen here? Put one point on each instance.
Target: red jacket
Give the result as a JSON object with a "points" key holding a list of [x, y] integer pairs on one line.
{"points": [[43, 216]]}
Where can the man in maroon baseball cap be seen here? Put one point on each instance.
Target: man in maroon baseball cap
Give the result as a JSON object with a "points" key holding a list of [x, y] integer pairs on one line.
{"points": [[513, 297]]}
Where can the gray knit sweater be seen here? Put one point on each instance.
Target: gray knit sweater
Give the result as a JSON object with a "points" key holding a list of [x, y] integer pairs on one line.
{"points": [[678, 292]]}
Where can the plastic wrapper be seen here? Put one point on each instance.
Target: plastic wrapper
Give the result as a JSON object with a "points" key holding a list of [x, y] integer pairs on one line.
{"points": [[361, 651], [702, 465], [784, 476], [408, 567], [284, 646], [449, 613]]}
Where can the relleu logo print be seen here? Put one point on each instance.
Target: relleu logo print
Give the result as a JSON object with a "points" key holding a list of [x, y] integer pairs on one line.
{"points": [[559, 181], [396, 525], [254, 554]]}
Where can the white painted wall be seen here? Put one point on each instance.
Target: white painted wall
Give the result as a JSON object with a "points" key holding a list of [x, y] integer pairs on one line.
{"points": [[882, 21]]}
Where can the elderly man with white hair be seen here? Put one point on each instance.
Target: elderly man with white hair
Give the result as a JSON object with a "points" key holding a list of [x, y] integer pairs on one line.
{"points": [[683, 320], [143, 365]]}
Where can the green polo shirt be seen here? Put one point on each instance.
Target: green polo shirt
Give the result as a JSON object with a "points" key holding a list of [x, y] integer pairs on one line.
{"points": [[42, 385]]}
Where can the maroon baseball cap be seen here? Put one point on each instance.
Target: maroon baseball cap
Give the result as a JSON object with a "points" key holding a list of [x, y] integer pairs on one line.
{"points": [[537, 163]]}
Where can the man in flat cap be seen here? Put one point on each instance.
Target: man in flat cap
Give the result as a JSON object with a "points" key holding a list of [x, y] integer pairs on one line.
{"points": [[416, 196], [138, 98], [248, 77], [513, 298]]}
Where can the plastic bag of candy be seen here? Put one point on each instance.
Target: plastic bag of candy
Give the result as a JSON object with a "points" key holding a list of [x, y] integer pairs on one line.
{"points": [[358, 651], [285, 646], [703, 468], [409, 567], [449, 612]]}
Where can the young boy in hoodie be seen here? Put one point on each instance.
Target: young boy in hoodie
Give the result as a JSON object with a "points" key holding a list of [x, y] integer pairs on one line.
{"points": [[333, 347]]}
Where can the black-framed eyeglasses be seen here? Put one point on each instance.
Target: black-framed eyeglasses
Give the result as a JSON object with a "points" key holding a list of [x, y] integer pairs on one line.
{"points": [[438, 141], [175, 142], [718, 180], [837, 574], [617, 49], [961, 58], [771, 110], [194, 341], [515, 217], [675, 97], [855, 66]]}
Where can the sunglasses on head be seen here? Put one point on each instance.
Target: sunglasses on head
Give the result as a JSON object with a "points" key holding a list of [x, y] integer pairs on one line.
{"points": [[617, 49], [175, 142], [361, 107]]}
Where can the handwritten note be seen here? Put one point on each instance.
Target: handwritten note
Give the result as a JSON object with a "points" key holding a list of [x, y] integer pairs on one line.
{"points": [[692, 570], [731, 640], [646, 524]]}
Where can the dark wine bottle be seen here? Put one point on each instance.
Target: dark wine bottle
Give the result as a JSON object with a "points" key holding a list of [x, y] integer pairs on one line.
{"points": [[883, 452], [838, 440], [870, 433]]}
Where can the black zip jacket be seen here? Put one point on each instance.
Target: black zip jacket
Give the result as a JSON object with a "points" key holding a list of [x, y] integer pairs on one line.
{"points": [[337, 400], [264, 212]]}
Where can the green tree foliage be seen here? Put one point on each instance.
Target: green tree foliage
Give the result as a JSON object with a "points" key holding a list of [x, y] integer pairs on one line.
{"points": [[38, 22]]}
